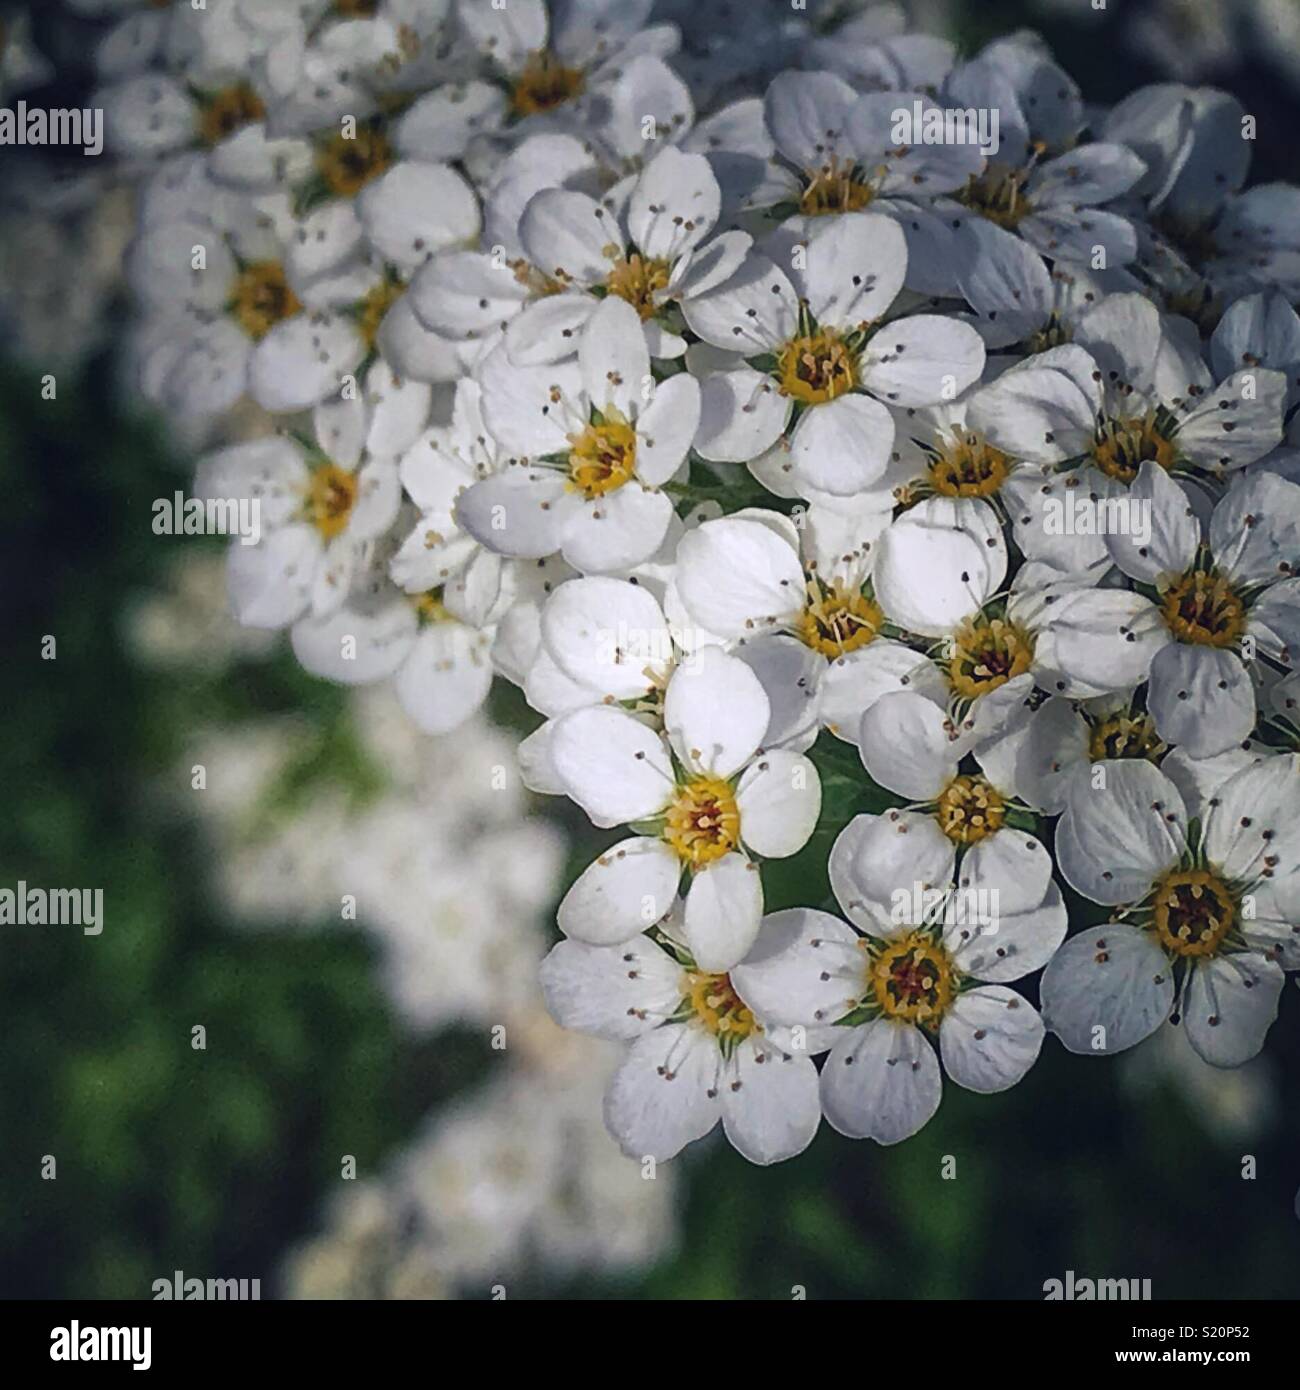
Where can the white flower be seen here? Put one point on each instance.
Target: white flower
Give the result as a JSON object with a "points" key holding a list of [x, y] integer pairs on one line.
{"points": [[821, 352], [697, 1053], [471, 296], [706, 798], [225, 319], [664, 257], [1240, 589], [1106, 410], [1206, 922], [1054, 205], [874, 995], [841, 156], [798, 604], [321, 508], [593, 67], [1063, 738], [595, 441]]}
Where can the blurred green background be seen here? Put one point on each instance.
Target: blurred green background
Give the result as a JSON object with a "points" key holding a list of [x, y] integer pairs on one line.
{"points": [[221, 1161]]}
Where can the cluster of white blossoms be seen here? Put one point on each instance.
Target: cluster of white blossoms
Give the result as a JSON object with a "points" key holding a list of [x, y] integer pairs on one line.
{"points": [[762, 391]]}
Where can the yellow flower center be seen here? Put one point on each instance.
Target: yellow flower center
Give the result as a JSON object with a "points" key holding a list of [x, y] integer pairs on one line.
{"points": [[1126, 736], [835, 187], [1194, 912], [969, 810], [1054, 333], [227, 111], [1203, 609], [703, 823], [913, 979], [546, 83], [262, 298], [347, 165], [602, 457], [637, 279], [1121, 447], [355, 9], [968, 466], [430, 607], [838, 620], [998, 194], [714, 1001], [816, 368], [987, 653], [331, 495], [375, 306]]}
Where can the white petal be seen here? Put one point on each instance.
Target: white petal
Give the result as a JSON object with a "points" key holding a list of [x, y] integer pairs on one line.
{"points": [[1014, 865], [754, 311], [737, 577], [742, 415], [715, 713], [854, 682], [990, 1038], [1021, 943], [612, 765], [807, 114], [875, 858], [789, 673], [780, 798], [1230, 1004], [446, 678], [856, 267], [612, 991], [805, 968], [415, 210], [1238, 422], [356, 645], [674, 205], [666, 429], [302, 360], [1096, 641], [1201, 698], [1172, 530], [909, 745], [618, 531], [607, 634], [922, 360], [521, 512], [772, 1107], [531, 410], [881, 1082], [1115, 840], [1255, 529], [1035, 413], [664, 1094], [466, 294], [1106, 989], [842, 446], [724, 906], [1254, 815], [627, 889], [930, 579], [270, 583], [613, 358], [568, 236]]}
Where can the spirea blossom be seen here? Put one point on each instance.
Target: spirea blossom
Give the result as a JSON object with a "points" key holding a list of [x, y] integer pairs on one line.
{"points": [[858, 454]]}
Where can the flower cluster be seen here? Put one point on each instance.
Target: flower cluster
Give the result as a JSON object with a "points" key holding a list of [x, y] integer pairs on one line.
{"points": [[827, 412]]}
